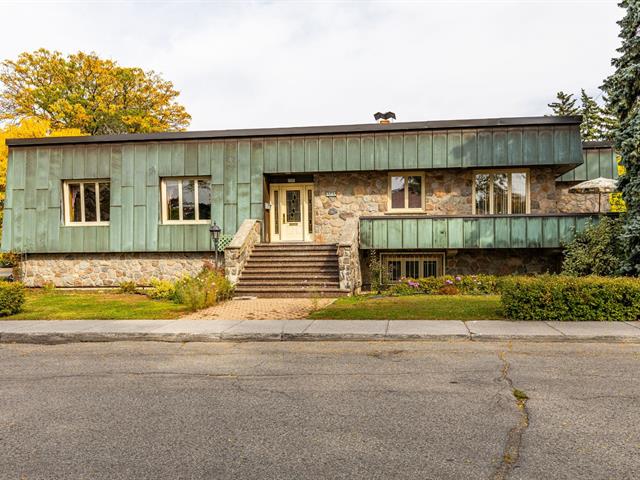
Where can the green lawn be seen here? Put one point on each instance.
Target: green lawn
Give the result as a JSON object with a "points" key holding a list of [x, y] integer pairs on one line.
{"points": [[59, 305], [414, 307]]}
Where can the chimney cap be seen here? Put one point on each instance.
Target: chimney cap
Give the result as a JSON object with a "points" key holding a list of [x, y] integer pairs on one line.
{"points": [[384, 116]]}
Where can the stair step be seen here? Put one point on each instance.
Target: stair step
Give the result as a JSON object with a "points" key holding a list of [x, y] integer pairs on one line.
{"points": [[276, 292], [292, 294], [293, 284], [286, 264], [292, 253], [303, 275]]}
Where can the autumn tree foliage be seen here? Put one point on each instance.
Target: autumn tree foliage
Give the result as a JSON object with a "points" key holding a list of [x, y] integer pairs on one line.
{"points": [[27, 128], [85, 92]]}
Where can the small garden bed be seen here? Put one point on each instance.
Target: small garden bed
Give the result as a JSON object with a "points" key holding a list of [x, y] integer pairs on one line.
{"points": [[413, 307]]}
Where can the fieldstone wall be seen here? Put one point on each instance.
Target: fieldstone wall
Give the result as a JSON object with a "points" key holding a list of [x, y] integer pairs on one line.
{"points": [[579, 202], [240, 248], [487, 261], [447, 192], [349, 257], [503, 261], [110, 269], [363, 193]]}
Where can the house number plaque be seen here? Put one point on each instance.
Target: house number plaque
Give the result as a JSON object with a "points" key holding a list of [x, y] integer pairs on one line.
{"points": [[330, 194]]}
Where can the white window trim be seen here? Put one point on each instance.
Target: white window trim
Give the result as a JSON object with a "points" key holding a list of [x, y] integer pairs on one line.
{"points": [[403, 257], [163, 195], [491, 200], [406, 191], [67, 207]]}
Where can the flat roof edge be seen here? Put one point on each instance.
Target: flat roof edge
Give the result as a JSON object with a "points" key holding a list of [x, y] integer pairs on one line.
{"points": [[299, 131], [598, 144]]}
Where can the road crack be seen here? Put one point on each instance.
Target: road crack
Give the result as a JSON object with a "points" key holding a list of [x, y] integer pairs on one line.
{"points": [[513, 443]]}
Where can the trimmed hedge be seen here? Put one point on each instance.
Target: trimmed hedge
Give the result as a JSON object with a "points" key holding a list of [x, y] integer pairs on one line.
{"points": [[11, 298], [565, 298], [447, 285]]}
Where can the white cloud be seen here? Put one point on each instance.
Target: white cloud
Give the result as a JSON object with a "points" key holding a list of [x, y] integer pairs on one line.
{"points": [[250, 64]]}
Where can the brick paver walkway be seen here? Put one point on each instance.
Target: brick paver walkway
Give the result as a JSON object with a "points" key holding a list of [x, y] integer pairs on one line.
{"points": [[263, 309]]}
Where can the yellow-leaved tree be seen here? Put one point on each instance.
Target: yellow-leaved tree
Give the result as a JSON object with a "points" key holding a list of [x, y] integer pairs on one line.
{"points": [[27, 128], [89, 93]]}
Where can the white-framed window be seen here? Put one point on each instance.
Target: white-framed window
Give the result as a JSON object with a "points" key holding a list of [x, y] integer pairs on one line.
{"points": [[412, 265], [186, 200], [86, 202], [501, 192], [406, 191]]}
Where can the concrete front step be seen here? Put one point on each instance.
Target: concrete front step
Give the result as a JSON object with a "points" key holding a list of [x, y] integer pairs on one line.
{"points": [[290, 265], [278, 292], [296, 246], [292, 253], [331, 276], [292, 284], [311, 257]]}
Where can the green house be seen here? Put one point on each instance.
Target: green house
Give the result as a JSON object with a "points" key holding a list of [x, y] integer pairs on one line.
{"points": [[302, 210]]}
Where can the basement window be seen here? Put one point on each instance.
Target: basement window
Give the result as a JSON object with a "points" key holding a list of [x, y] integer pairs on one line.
{"points": [[398, 266], [86, 202], [186, 200]]}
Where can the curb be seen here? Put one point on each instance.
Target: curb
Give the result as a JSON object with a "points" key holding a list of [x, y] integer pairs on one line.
{"points": [[104, 337]]}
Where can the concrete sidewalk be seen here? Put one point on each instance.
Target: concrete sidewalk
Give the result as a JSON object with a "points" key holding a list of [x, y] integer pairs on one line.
{"points": [[68, 331]]}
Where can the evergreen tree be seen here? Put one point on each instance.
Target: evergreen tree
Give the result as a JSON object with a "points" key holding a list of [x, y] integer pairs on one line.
{"points": [[565, 104], [591, 118], [623, 89]]}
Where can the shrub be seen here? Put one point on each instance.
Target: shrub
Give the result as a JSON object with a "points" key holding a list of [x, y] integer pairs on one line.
{"points": [[9, 259], [598, 250], [447, 285], [161, 290], [11, 298], [204, 290], [128, 287], [566, 298], [48, 287], [448, 290]]}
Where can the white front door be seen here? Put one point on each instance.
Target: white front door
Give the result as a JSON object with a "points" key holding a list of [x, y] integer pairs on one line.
{"points": [[292, 212]]}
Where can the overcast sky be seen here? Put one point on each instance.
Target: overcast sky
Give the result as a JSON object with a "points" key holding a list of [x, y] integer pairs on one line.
{"points": [[257, 64]]}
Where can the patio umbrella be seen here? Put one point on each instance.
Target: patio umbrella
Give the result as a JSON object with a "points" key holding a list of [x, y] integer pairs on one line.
{"points": [[598, 185]]}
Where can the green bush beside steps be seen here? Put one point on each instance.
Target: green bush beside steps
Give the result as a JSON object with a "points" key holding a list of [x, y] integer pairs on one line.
{"points": [[565, 298]]}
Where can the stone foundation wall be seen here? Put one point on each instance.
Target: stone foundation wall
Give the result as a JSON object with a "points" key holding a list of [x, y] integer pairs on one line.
{"points": [[486, 261], [110, 269], [503, 261], [447, 192]]}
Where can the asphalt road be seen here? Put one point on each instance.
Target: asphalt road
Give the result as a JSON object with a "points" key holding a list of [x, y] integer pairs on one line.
{"points": [[320, 410]]}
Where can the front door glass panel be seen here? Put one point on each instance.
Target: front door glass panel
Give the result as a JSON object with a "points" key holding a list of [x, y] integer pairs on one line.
{"points": [[293, 206]]}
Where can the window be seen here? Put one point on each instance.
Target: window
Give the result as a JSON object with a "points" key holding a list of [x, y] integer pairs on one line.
{"points": [[410, 265], [186, 200], [86, 201], [406, 191], [500, 193]]}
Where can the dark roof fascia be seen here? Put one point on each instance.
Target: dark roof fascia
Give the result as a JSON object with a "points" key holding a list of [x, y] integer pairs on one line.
{"points": [[299, 131], [598, 144]]}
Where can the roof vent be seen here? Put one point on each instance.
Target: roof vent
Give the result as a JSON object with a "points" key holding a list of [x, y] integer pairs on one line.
{"points": [[384, 118]]}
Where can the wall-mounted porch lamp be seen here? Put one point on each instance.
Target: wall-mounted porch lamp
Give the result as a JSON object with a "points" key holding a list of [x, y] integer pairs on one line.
{"points": [[215, 236]]}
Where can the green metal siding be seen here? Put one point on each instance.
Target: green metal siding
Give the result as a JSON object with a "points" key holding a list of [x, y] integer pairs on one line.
{"points": [[597, 162], [33, 207], [33, 214], [530, 231]]}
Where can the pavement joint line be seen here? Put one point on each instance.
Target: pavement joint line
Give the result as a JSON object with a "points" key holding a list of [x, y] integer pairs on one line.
{"points": [[307, 327], [468, 330], [631, 324], [554, 328], [386, 330]]}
